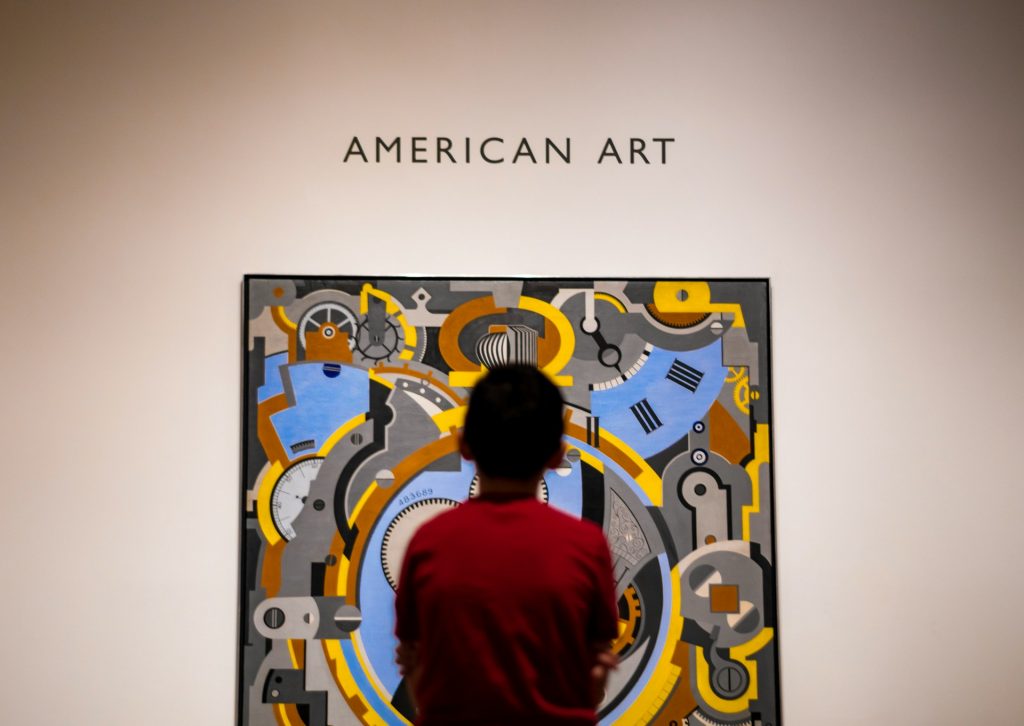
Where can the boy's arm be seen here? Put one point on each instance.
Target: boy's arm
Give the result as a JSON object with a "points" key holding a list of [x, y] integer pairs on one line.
{"points": [[604, 661], [407, 657]]}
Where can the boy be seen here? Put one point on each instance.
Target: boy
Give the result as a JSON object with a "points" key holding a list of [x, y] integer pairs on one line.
{"points": [[506, 607]]}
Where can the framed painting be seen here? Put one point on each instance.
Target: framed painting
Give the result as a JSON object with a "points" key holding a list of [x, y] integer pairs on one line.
{"points": [[354, 388]]}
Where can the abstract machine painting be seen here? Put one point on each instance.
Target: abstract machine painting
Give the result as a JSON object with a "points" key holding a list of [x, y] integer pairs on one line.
{"points": [[354, 389]]}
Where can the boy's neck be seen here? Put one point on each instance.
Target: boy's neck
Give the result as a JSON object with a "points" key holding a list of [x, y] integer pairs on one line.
{"points": [[504, 488]]}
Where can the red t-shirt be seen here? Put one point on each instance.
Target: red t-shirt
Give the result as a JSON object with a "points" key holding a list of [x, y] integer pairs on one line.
{"points": [[507, 599]]}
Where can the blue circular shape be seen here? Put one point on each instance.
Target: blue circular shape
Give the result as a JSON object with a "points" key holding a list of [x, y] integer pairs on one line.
{"points": [[332, 370]]}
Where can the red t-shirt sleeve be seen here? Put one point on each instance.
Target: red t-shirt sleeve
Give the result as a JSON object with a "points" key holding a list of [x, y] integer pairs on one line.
{"points": [[604, 617]]}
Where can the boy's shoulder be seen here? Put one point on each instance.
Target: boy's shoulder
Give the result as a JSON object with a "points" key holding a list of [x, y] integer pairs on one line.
{"points": [[474, 513]]}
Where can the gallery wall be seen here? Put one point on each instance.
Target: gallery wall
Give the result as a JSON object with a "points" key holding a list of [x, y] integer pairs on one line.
{"points": [[866, 157]]}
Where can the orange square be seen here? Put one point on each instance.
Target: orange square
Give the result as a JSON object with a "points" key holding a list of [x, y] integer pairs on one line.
{"points": [[725, 599]]}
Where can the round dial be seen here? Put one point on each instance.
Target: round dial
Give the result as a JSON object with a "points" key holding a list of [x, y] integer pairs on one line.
{"points": [[290, 492], [401, 530], [330, 318], [377, 340], [542, 489]]}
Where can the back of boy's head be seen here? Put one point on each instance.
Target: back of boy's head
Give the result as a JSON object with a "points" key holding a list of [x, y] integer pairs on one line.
{"points": [[514, 424]]}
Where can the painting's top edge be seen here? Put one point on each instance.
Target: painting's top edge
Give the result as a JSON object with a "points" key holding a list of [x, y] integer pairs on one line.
{"points": [[653, 278]]}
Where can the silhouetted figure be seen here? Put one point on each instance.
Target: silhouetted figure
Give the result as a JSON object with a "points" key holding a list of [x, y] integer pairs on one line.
{"points": [[506, 607]]}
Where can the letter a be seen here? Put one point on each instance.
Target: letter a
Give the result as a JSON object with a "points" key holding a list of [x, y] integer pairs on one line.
{"points": [[355, 148], [609, 150]]}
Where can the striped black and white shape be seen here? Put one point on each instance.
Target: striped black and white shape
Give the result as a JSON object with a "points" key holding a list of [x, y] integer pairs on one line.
{"points": [[515, 344], [645, 415], [522, 345], [686, 376]]}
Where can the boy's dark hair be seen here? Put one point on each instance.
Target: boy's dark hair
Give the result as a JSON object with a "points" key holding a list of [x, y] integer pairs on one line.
{"points": [[514, 423]]}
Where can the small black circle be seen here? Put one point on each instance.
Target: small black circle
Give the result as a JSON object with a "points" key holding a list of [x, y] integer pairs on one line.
{"points": [[356, 439], [274, 618], [700, 490], [278, 679], [610, 356], [330, 560], [730, 680], [318, 504], [698, 426]]}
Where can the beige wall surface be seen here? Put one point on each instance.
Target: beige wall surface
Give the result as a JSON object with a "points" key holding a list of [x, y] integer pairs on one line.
{"points": [[868, 157]]}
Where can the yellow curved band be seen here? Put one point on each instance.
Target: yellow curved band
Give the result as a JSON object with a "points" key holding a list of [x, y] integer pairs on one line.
{"points": [[740, 653], [696, 300], [666, 673]]}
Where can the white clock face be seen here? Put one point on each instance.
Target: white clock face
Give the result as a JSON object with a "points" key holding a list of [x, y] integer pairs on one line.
{"points": [[403, 527], [290, 493]]}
